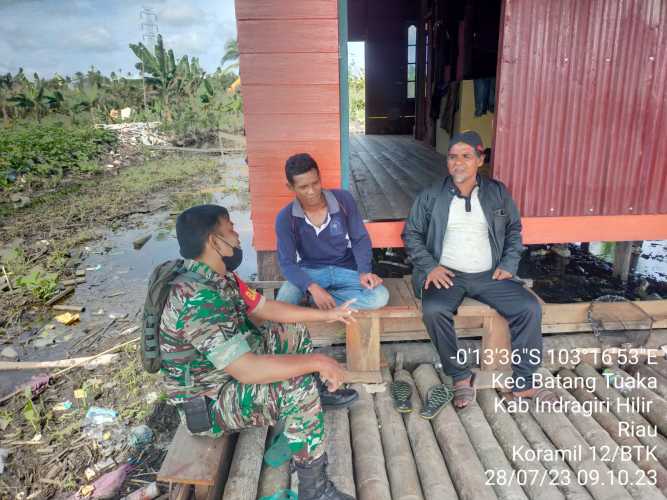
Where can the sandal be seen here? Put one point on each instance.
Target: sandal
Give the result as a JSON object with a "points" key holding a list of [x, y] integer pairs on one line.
{"points": [[436, 399], [466, 393], [401, 392]]}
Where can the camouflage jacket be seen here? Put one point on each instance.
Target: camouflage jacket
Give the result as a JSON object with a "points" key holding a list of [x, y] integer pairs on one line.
{"points": [[209, 318]]}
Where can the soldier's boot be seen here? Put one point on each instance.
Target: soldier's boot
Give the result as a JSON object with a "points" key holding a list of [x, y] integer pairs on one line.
{"points": [[314, 484], [341, 398]]}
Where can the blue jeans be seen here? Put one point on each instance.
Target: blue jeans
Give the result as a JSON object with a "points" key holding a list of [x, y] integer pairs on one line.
{"points": [[343, 285]]}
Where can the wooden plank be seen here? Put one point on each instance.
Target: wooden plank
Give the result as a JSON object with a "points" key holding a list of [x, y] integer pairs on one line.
{"points": [[272, 154], [181, 492], [285, 69], [301, 127], [288, 36], [285, 99], [286, 9], [193, 459]]}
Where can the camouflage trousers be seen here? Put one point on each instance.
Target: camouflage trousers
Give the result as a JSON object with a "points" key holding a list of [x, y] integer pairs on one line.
{"points": [[294, 402]]}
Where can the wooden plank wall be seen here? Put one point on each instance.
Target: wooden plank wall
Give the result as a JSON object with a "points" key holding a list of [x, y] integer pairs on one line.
{"points": [[289, 81]]}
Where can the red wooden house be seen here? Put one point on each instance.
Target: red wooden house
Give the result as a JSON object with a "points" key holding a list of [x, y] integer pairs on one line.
{"points": [[577, 130]]}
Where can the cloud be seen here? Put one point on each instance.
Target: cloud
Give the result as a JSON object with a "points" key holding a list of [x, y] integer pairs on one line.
{"points": [[66, 36], [95, 38], [181, 14]]}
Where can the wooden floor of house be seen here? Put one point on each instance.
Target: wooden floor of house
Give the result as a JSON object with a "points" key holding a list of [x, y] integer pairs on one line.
{"points": [[481, 452], [387, 172]]}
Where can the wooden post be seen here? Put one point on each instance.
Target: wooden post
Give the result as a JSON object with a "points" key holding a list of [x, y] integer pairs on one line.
{"points": [[267, 266], [363, 346], [622, 257], [496, 346]]}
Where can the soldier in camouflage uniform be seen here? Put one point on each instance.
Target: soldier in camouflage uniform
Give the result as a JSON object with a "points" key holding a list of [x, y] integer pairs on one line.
{"points": [[251, 375]]}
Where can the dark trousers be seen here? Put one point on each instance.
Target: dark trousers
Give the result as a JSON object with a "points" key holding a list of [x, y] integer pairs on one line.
{"points": [[516, 304]]}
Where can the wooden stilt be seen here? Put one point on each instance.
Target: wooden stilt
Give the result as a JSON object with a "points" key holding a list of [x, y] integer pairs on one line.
{"points": [[465, 468], [363, 345], [369, 467], [539, 441], [246, 465], [596, 436], [339, 450], [435, 480], [622, 257], [401, 467], [510, 438]]}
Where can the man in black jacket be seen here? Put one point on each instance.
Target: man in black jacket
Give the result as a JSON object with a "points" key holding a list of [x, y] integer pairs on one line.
{"points": [[463, 236]]}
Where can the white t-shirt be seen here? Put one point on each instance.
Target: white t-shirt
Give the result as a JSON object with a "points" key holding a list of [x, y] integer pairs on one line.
{"points": [[466, 246]]}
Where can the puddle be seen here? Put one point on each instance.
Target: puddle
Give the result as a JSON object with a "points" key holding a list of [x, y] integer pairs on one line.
{"points": [[117, 276], [652, 262]]}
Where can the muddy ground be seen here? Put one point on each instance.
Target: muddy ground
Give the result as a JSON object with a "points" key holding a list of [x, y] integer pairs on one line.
{"points": [[91, 227]]}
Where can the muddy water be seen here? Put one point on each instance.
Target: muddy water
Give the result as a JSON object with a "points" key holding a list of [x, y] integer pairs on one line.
{"points": [[117, 275], [652, 261]]}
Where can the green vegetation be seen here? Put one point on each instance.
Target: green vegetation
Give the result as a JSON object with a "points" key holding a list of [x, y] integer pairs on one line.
{"points": [[47, 123], [357, 96], [33, 149]]}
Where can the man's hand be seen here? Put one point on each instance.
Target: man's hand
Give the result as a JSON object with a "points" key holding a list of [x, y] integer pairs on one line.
{"points": [[369, 280], [331, 372], [322, 298], [440, 276], [501, 274], [343, 313]]}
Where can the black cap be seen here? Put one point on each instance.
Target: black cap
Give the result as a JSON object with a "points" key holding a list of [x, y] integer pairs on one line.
{"points": [[469, 137]]}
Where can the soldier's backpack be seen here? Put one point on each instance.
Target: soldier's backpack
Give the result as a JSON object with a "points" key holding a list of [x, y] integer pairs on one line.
{"points": [[159, 286]]}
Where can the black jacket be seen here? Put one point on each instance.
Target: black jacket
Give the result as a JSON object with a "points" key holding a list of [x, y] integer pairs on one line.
{"points": [[425, 227]]}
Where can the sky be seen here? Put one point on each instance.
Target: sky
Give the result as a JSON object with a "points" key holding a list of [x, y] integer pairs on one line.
{"points": [[65, 36]]}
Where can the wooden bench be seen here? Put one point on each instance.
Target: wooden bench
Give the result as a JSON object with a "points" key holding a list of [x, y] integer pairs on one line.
{"points": [[400, 319], [197, 463]]}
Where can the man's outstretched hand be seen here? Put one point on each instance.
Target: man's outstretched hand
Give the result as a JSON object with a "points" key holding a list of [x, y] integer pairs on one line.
{"points": [[440, 276], [501, 274], [342, 313], [370, 280]]}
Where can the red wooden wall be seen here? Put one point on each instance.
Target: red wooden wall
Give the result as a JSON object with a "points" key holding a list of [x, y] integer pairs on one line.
{"points": [[290, 86]]}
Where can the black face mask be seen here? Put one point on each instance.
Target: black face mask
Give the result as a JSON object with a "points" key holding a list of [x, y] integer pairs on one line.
{"points": [[232, 262]]}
